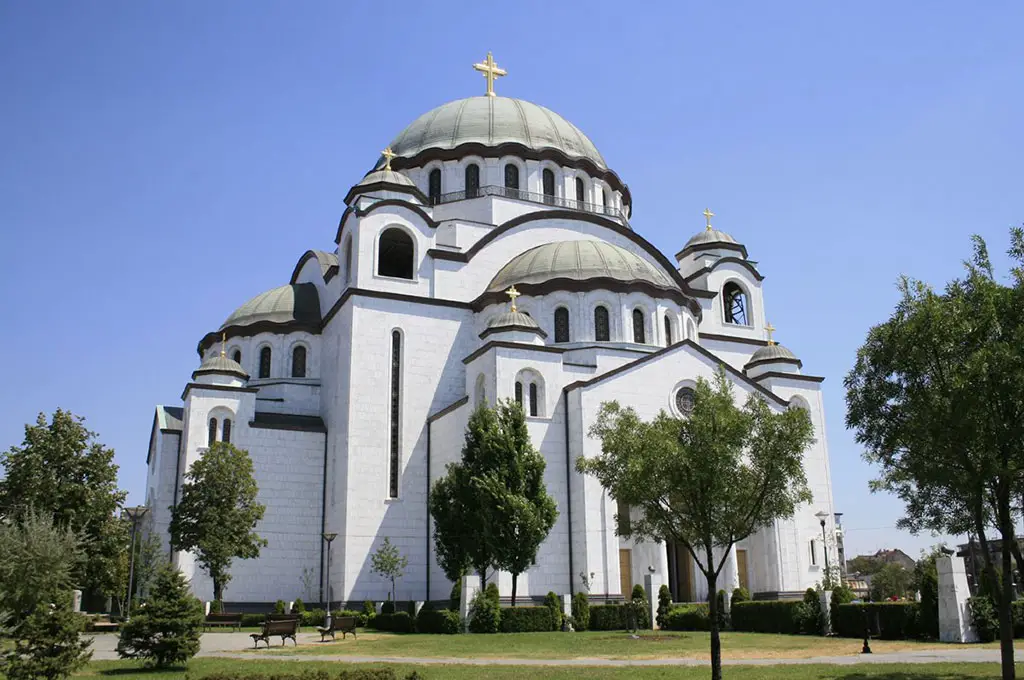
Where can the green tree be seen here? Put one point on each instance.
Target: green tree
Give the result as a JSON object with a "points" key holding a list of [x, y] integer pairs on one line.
{"points": [[38, 558], [389, 563], [517, 500], [936, 397], [218, 513], [865, 565], [48, 643], [167, 627], [926, 581], [706, 481], [62, 470], [892, 580]]}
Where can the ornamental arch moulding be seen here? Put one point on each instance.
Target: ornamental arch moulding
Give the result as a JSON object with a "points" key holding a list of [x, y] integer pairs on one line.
{"points": [[736, 303], [396, 255]]}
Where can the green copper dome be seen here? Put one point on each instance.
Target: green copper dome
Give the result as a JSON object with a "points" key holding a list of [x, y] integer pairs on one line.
{"points": [[297, 303], [491, 122], [223, 365]]}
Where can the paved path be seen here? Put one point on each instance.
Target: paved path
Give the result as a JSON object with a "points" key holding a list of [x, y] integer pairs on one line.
{"points": [[229, 645]]}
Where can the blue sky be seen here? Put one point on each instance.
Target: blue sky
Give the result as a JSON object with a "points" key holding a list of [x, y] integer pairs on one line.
{"points": [[164, 162]]}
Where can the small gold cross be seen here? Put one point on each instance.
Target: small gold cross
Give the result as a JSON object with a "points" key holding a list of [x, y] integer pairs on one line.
{"points": [[490, 71], [707, 216], [512, 294], [771, 329], [223, 341], [388, 155]]}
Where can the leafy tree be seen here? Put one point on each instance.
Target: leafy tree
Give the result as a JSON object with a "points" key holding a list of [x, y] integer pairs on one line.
{"points": [[167, 627], [62, 471], [936, 397], [926, 582], [865, 565], [48, 643], [706, 481], [218, 512], [892, 580], [389, 563], [38, 558]]}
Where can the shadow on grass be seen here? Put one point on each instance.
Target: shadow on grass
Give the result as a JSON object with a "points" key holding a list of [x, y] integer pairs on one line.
{"points": [[141, 670], [900, 675]]}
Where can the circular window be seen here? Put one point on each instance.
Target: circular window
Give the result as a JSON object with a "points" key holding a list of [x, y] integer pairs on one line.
{"points": [[684, 400]]}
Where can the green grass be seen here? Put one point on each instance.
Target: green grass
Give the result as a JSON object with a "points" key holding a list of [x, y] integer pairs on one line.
{"points": [[201, 667]]}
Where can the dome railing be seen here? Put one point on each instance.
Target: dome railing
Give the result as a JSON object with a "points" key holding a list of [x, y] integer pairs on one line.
{"points": [[519, 194]]}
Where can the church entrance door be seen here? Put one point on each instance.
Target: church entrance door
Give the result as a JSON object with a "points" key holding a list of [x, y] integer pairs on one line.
{"points": [[626, 572], [741, 567], [680, 572]]}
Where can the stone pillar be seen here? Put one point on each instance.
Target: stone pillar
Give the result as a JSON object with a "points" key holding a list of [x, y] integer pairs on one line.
{"points": [[566, 605], [825, 597], [416, 607], [378, 607], [652, 584], [76, 601], [206, 607], [470, 587], [288, 607], [726, 601], [954, 618]]}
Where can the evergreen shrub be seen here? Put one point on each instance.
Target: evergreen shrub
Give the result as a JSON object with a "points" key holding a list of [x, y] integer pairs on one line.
{"points": [[47, 643], [740, 594], [724, 617], [438, 621], [492, 593], [387, 607], [525, 619], [664, 604], [810, 613], [608, 617], [279, 607], [771, 616], [167, 629], [688, 617], [985, 617], [313, 617], [581, 611], [399, 622], [253, 620], [484, 613], [554, 603], [298, 606], [455, 597]]}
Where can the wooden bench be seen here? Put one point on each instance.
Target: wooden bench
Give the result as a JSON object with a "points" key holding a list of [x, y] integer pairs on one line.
{"points": [[286, 628], [104, 627], [232, 620], [344, 624]]}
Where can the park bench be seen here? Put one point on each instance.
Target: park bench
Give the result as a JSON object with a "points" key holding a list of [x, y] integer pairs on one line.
{"points": [[286, 617], [286, 628], [232, 620], [344, 624]]}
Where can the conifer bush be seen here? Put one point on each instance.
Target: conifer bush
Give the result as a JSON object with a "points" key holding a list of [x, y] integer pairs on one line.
{"points": [[581, 611], [47, 643], [167, 629], [664, 604], [554, 603], [484, 612]]}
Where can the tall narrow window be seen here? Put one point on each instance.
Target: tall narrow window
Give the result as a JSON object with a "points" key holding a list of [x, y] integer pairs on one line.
{"points": [[512, 176], [534, 406], [622, 518], [519, 392], [602, 333], [348, 261], [561, 325], [549, 186], [395, 254], [472, 180], [226, 434], [396, 411], [604, 197], [735, 303], [236, 356], [213, 432], [434, 186], [581, 192], [638, 327], [265, 362], [299, 362], [668, 331]]}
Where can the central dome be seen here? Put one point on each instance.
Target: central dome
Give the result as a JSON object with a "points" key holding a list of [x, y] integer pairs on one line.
{"points": [[491, 122]]}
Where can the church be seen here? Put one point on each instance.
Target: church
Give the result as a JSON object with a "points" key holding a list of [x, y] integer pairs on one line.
{"points": [[488, 254]]}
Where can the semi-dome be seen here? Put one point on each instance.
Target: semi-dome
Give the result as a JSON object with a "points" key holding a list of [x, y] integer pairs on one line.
{"points": [[491, 122], [578, 261], [773, 353], [709, 237], [386, 177], [297, 303], [220, 364], [511, 319]]}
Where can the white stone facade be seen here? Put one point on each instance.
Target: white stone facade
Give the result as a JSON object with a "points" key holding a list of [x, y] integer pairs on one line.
{"points": [[321, 438]]}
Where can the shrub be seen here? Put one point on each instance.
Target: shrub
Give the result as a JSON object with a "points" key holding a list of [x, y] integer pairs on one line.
{"points": [[168, 628], [810, 613], [443, 621], [580, 611], [840, 595], [740, 594], [360, 618], [688, 617], [885, 620], [985, 617], [664, 604], [216, 607], [638, 610], [928, 613], [369, 609], [492, 593], [387, 607], [279, 607], [525, 619], [455, 597], [47, 643], [399, 622], [253, 620], [608, 617], [724, 618], [298, 607], [484, 613], [775, 616], [313, 617], [554, 603]]}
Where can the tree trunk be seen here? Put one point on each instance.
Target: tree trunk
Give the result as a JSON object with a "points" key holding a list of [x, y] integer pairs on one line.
{"points": [[394, 595], [218, 589], [515, 579], [716, 641], [1006, 602]]}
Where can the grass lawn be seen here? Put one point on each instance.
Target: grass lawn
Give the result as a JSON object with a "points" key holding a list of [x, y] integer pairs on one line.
{"points": [[201, 667], [595, 645]]}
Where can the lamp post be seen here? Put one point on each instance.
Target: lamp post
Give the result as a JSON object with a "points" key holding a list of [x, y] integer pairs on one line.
{"points": [[134, 514], [329, 536], [822, 516]]}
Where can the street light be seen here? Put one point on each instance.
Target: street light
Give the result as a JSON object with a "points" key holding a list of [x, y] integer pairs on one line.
{"points": [[134, 514], [822, 515], [329, 536]]}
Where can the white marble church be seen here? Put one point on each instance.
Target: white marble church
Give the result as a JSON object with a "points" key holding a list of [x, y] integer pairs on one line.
{"points": [[351, 385]]}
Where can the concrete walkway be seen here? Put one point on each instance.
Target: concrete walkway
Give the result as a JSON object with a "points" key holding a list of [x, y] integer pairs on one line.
{"points": [[229, 645]]}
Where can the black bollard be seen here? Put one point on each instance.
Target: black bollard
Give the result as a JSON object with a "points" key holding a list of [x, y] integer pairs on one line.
{"points": [[866, 649]]}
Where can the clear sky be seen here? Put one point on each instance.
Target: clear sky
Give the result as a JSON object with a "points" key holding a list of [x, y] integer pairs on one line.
{"points": [[161, 163]]}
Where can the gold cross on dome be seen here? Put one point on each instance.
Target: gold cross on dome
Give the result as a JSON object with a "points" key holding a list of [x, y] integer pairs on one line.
{"points": [[707, 216], [490, 71], [771, 329], [388, 155], [223, 341], [512, 294]]}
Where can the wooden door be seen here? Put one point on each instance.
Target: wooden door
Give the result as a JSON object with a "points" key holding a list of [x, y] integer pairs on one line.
{"points": [[626, 572], [741, 567]]}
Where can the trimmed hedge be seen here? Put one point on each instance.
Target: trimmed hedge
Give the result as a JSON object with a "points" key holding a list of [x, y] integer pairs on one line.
{"points": [[525, 620], [772, 616], [580, 611], [608, 617], [886, 620], [441, 621], [399, 622], [687, 617]]}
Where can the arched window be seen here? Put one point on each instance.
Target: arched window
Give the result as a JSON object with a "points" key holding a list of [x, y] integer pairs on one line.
{"points": [[549, 186], [668, 331], [638, 327], [434, 186], [226, 435], [534, 406], [519, 392], [299, 362], [213, 432], [602, 331], [264, 363], [395, 254], [561, 325], [348, 261], [481, 389], [236, 356], [472, 180], [735, 303], [581, 192], [396, 412], [512, 176], [604, 197]]}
